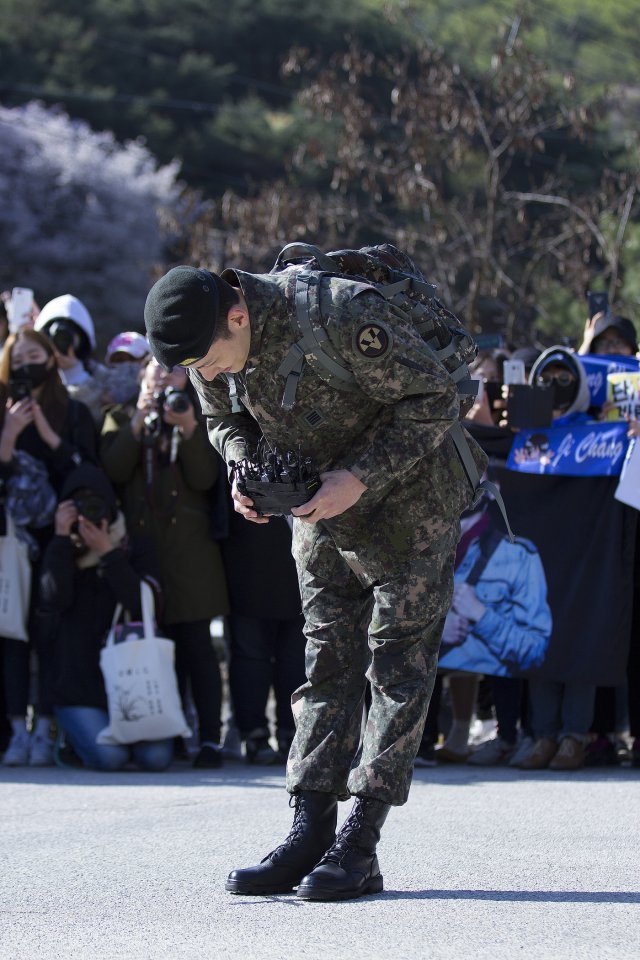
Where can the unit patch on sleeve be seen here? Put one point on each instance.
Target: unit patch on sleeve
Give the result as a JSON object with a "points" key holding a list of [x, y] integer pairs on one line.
{"points": [[373, 341]]}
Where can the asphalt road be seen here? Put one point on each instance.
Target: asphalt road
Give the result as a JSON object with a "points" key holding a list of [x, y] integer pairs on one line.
{"points": [[479, 864]]}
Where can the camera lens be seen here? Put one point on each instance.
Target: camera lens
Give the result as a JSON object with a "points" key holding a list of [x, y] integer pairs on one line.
{"points": [[61, 335], [177, 400], [92, 507]]}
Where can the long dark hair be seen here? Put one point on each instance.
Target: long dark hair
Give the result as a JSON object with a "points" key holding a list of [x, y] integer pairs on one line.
{"points": [[54, 398]]}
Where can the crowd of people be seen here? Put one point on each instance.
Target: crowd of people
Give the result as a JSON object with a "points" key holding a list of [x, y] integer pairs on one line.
{"points": [[118, 484], [109, 478], [551, 622]]}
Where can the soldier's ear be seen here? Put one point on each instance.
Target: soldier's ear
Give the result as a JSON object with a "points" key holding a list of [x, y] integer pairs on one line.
{"points": [[238, 317]]}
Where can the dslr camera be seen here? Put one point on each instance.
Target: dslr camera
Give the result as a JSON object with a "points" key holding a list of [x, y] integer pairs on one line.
{"points": [[176, 400], [91, 506], [62, 336]]}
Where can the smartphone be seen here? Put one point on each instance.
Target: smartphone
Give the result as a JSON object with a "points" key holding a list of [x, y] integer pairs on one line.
{"points": [[598, 302], [513, 372], [529, 407], [19, 308]]}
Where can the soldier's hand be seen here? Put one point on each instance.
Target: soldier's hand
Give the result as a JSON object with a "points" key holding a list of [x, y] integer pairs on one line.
{"points": [[244, 506], [340, 490]]}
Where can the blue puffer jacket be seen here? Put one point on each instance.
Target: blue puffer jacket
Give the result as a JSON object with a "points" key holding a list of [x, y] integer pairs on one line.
{"points": [[513, 634]]}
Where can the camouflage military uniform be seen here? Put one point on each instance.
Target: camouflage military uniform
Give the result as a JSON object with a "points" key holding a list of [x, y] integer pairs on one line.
{"points": [[384, 568]]}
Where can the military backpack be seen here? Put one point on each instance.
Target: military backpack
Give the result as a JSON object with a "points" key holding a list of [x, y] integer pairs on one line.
{"points": [[394, 275]]}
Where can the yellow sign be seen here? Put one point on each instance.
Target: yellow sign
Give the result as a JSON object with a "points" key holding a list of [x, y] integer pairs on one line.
{"points": [[623, 391]]}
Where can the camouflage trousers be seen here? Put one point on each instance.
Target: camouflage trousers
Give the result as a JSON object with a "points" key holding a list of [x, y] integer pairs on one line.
{"points": [[387, 635]]}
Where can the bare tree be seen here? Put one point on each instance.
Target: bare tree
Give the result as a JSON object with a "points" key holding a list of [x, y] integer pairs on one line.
{"points": [[79, 214], [497, 185]]}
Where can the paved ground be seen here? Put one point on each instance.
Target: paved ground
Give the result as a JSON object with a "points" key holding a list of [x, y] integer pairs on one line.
{"points": [[479, 864]]}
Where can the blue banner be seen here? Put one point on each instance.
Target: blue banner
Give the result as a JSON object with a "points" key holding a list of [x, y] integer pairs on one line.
{"points": [[574, 450], [598, 367]]}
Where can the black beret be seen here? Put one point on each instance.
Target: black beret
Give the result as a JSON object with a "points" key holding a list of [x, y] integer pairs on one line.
{"points": [[181, 314]]}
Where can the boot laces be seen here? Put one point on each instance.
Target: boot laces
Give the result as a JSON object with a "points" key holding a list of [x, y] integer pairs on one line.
{"points": [[297, 827], [348, 837]]}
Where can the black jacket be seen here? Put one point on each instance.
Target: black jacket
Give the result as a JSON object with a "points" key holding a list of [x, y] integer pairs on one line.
{"points": [[79, 443], [261, 572], [82, 603]]}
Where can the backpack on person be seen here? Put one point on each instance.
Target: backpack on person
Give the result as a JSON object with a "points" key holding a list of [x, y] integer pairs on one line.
{"points": [[394, 275]]}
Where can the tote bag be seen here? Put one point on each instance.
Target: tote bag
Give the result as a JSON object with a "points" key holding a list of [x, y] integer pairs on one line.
{"points": [[140, 681], [15, 584]]}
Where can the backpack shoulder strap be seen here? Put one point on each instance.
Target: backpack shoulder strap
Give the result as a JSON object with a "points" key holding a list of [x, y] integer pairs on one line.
{"points": [[489, 543], [313, 346]]}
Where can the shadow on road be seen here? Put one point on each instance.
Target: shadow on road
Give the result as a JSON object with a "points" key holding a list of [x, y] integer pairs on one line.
{"points": [[517, 896], [237, 773], [178, 775], [464, 775]]}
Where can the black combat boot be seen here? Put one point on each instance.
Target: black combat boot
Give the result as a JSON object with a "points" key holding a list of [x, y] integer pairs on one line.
{"points": [[350, 867], [312, 832]]}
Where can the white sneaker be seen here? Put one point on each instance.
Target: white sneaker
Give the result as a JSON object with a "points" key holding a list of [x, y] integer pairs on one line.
{"points": [[17, 753], [41, 753], [492, 753], [524, 748], [482, 730]]}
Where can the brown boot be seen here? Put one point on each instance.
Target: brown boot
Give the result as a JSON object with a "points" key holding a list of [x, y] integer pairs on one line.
{"points": [[569, 756], [543, 752]]}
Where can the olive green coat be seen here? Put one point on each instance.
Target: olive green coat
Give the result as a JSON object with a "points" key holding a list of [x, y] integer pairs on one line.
{"points": [[193, 577]]}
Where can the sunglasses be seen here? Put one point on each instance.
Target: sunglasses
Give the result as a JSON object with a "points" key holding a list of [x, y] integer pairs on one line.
{"points": [[563, 378]]}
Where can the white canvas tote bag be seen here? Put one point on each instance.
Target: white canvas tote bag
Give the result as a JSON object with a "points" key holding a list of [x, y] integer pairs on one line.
{"points": [[15, 584], [140, 680]]}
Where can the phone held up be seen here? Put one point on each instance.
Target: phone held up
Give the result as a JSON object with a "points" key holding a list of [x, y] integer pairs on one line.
{"points": [[19, 308], [528, 406], [598, 302]]}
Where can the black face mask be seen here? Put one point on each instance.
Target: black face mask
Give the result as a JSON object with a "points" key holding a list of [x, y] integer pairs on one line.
{"points": [[564, 396], [564, 384], [34, 373]]}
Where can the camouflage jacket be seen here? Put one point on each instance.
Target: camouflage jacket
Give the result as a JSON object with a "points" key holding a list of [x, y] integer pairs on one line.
{"points": [[391, 432]]}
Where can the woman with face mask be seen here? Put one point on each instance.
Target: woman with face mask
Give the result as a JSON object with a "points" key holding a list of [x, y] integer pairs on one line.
{"points": [[43, 421], [125, 356]]}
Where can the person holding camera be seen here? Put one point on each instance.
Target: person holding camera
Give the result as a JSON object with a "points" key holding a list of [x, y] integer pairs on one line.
{"points": [[90, 566], [125, 356], [43, 421], [69, 326], [158, 456]]}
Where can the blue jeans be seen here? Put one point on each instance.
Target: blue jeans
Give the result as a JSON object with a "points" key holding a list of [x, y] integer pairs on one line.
{"points": [[83, 724], [561, 709]]}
